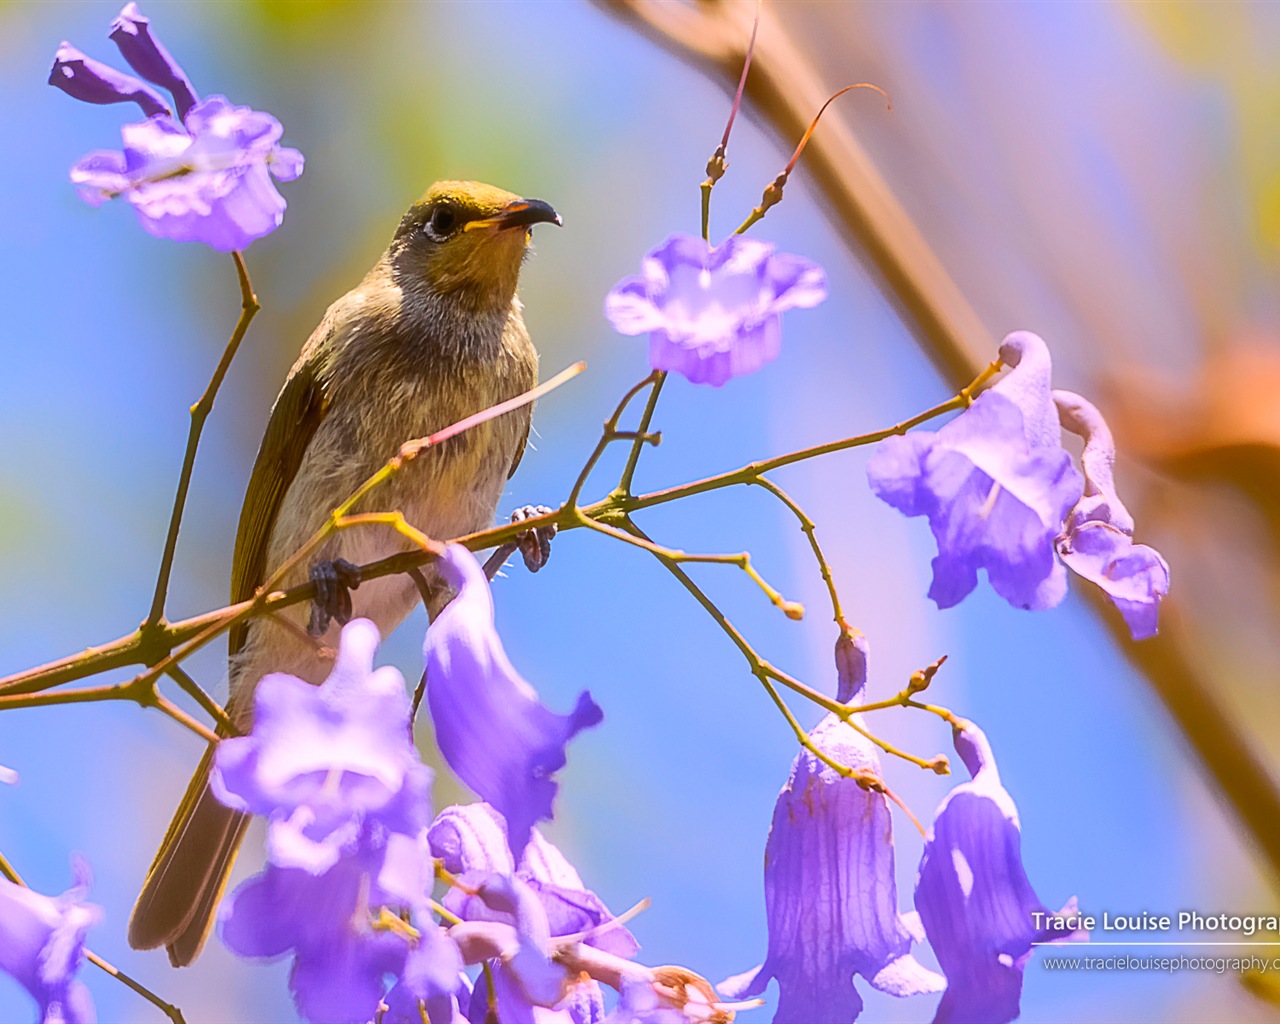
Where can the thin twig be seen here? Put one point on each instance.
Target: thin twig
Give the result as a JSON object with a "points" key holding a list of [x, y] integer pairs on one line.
{"points": [[199, 413]]}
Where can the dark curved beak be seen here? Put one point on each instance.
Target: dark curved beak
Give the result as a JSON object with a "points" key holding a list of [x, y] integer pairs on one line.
{"points": [[520, 213]]}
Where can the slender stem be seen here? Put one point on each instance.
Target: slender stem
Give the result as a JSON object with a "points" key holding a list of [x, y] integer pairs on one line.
{"points": [[610, 434], [199, 413], [843, 770], [809, 529], [211, 707], [759, 666], [168, 1009], [646, 418], [742, 560], [184, 719]]}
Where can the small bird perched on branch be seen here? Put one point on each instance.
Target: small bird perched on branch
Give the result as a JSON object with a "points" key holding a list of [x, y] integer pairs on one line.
{"points": [[432, 334]]}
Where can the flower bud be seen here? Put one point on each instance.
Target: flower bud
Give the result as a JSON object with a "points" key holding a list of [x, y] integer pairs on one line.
{"points": [[84, 78]]}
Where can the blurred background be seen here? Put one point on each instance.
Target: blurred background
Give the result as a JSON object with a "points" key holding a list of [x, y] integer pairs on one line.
{"points": [[1107, 175]]}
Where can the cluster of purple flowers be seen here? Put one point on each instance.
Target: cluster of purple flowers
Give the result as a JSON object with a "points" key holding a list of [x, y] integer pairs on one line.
{"points": [[199, 171], [353, 853], [832, 901], [1001, 494], [998, 488]]}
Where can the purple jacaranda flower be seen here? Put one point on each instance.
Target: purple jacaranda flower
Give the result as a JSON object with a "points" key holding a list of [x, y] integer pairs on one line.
{"points": [[712, 314], [973, 895], [322, 759], [489, 724], [42, 944], [472, 839], [830, 895], [1097, 537], [204, 175], [341, 962], [995, 484], [430, 984]]}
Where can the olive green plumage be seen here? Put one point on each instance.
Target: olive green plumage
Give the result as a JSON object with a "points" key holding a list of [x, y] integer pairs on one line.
{"points": [[432, 334]]}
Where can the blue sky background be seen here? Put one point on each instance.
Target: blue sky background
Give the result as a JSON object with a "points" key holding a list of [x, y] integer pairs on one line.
{"points": [[110, 334]]}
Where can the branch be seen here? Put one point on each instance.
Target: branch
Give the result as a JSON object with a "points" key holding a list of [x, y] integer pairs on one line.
{"points": [[785, 91], [199, 413]]}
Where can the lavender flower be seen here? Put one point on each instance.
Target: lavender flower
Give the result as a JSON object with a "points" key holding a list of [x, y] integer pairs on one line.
{"points": [[202, 176], [326, 921], [995, 484], [712, 314], [42, 943], [334, 769], [471, 841], [1097, 538], [322, 759], [973, 895], [830, 894], [490, 726]]}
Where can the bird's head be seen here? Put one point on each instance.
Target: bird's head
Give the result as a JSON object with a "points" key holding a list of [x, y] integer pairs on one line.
{"points": [[466, 240]]}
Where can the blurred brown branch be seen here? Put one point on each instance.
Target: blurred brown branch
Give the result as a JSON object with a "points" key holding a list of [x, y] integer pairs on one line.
{"points": [[786, 91]]}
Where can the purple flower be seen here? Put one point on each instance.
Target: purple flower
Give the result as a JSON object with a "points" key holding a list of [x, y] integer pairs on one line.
{"points": [[1097, 537], [431, 981], [973, 895], [491, 728], [86, 79], [41, 945], [712, 314], [340, 961], [322, 759], [830, 895], [472, 839], [995, 484], [131, 33], [202, 176], [334, 769]]}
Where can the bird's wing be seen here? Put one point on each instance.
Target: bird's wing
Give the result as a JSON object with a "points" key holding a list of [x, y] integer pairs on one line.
{"points": [[524, 443], [298, 411]]}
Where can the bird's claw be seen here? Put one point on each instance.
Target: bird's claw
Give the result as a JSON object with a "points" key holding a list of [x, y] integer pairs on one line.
{"points": [[334, 582], [535, 544]]}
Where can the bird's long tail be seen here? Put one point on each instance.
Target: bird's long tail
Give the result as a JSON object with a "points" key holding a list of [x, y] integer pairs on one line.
{"points": [[187, 877]]}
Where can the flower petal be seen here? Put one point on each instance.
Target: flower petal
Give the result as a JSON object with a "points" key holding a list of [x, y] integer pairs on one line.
{"points": [[489, 724]]}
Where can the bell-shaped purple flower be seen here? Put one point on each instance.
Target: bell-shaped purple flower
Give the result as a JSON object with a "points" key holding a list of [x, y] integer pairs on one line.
{"points": [[42, 944], [1097, 537], [712, 314], [830, 894], [489, 724], [341, 962], [202, 176], [973, 895], [322, 759], [995, 484]]}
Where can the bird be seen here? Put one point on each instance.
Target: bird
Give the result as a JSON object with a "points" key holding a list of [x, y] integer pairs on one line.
{"points": [[433, 333]]}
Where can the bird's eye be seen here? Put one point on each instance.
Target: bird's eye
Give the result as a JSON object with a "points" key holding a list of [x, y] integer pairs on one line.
{"points": [[443, 221]]}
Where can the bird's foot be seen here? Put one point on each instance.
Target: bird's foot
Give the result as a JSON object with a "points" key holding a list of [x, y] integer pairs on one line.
{"points": [[334, 582], [534, 545]]}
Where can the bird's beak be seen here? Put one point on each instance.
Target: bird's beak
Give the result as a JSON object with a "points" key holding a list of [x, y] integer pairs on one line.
{"points": [[520, 213]]}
